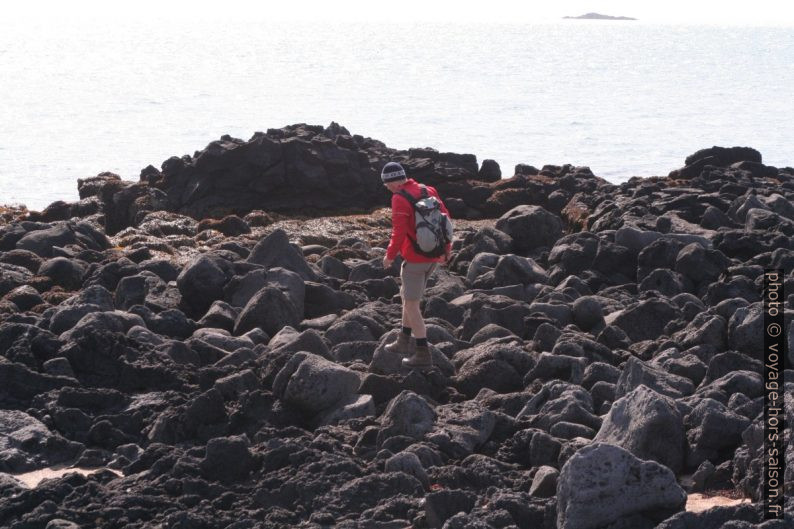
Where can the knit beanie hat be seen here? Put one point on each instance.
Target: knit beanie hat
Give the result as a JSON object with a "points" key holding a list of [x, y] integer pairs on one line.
{"points": [[392, 172]]}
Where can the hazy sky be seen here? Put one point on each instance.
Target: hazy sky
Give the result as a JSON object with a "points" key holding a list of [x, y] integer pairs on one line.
{"points": [[756, 12]]}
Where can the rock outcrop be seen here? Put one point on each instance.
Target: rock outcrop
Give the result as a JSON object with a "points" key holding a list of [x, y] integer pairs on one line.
{"points": [[221, 362]]}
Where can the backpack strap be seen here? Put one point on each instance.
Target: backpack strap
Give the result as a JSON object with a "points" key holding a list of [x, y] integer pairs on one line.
{"points": [[408, 196]]}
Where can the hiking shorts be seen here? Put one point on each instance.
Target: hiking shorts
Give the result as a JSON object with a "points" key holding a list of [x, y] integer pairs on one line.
{"points": [[414, 279]]}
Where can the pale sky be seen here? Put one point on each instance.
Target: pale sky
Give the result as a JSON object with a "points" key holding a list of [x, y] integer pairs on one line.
{"points": [[731, 12]]}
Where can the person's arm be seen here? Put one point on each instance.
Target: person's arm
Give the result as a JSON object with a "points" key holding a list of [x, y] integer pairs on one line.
{"points": [[400, 215]]}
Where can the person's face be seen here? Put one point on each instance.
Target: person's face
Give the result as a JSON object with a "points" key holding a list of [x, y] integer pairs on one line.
{"points": [[394, 186]]}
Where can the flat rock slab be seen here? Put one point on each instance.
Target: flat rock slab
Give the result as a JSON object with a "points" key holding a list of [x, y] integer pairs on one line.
{"points": [[27, 443], [699, 502], [33, 478]]}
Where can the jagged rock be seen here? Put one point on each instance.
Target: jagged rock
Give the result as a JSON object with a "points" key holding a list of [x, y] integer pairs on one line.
{"points": [[571, 430], [409, 463], [24, 297], [636, 239], [714, 218], [170, 323], [275, 250], [700, 264], [220, 315], [498, 366], [603, 483], [587, 312], [763, 219], [746, 383], [718, 156], [666, 282], [331, 266], [750, 458], [492, 331], [227, 459], [482, 263], [146, 289], [636, 373], [560, 401], [285, 344], [530, 227], [600, 372], [219, 338], [561, 367], [241, 288], [42, 241], [648, 425], [24, 258], [443, 504], [12, 277], [746, 330], [644, 321], [490, 171], [67, 273], [291, 285], [164, 223], [407, 414], [321, 300], [22, 384], [166, 270], [506, 270], [544, 482], [234, 385], [703, 329], [27, 444], [682, 364], [270, 310], [201, 282], [539, 340], [103, 357], [460, 428], [724, 363], [113, 321], [312, 383], [711, 427], [482, 309]]}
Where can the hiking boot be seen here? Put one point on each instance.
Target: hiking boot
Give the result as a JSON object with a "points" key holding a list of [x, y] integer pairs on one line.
{"points": [[402, 345], [421, 359]]}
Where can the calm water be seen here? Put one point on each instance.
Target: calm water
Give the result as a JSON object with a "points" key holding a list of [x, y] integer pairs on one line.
{"points": [[624, 98]]}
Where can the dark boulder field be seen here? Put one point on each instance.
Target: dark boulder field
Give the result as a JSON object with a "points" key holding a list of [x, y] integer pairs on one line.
{"points": [[205, 346]]}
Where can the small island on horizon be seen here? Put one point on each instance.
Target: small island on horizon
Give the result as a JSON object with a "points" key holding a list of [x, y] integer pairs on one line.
{"points": [[598, 16]]}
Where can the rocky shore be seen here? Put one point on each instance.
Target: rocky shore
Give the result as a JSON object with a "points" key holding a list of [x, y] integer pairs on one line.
{"points": [[209, 342]]}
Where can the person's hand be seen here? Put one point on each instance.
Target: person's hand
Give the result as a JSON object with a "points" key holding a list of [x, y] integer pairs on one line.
{"points": [[445, 259], [387, 262]]}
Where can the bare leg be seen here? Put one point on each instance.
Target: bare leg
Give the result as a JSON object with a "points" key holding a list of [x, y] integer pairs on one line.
{"points": [[414, 315]]}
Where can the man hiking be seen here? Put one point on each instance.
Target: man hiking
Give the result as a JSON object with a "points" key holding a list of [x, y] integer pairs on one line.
{"points": [[421, 253]]}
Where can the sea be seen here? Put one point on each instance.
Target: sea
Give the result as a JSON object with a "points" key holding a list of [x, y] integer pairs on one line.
{"points": [[626, 98]]}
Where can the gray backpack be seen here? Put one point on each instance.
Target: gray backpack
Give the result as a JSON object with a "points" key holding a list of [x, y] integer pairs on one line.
{"points": [[433, 227]]}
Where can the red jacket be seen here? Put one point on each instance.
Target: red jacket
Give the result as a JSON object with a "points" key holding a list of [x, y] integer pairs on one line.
{"points": [[403, 224]]}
